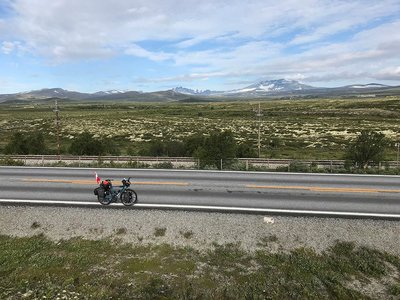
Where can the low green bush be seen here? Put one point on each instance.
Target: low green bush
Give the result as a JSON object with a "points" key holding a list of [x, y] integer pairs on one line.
{"points": [[7, 161], [163, 165]]}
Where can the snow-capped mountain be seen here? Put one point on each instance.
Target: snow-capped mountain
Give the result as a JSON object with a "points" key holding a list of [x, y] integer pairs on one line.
{"points": [[259, 88], [110, 92], [187, 91], [286, 87], [280, 85], [368, 86]]}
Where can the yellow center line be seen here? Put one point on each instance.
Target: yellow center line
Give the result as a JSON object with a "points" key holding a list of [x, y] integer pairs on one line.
{"points": [[161, 183], [61, 181], [323, 189], [91, 182]]}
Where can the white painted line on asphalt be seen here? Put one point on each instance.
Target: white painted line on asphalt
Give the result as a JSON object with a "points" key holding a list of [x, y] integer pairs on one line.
{"points": [[209, 208], [29, 201]]}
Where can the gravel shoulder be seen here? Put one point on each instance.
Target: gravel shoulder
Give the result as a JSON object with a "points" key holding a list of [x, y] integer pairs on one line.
{"points": [[198, 230]]}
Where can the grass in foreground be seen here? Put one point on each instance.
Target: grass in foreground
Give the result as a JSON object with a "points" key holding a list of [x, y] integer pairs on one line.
{"points": [[36, 268]]}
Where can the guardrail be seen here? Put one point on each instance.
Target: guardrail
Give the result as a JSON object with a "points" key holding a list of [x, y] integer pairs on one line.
{"points": [[188, 162]]}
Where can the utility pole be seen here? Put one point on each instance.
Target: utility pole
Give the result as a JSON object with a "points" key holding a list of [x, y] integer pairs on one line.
{"points": [[57, 123], [259, 115]]}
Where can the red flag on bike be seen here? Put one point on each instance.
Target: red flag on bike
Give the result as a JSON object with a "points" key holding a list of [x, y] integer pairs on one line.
{"points": [[98, 179]]}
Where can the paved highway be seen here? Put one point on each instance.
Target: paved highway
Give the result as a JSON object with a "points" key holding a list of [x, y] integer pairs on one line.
{"points": [[346, 195]]}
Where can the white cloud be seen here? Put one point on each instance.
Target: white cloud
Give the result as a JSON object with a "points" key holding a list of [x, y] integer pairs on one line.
{"points": [[141, 52], [390, 73], [7, 47], [215, 38], [103, 24], [335, 17], [183, 78]]}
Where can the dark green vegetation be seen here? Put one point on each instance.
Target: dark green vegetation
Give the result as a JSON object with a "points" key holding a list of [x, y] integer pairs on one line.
{"points": [[297, 129], [34, 267], [86, 144], [32, 143], [368, 147]]}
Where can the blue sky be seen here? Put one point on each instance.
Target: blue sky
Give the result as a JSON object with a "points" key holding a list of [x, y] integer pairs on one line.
{"points": [[148, 45]]}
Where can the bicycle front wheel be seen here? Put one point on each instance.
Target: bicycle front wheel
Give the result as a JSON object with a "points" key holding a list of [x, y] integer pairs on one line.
{"points": [[129, 197]]}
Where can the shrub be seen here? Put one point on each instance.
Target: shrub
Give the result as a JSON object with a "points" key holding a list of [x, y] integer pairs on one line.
{"points": [[294, 166], [187, 234], [86, 144], [159, 231], [297, 166], [218, 146], [7, 161], [368, 147], [164, 165], [246, 150], [394, 289], [160, 148], [32, 143]]}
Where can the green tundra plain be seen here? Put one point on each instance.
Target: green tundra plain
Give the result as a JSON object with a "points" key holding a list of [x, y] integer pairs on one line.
{"points": [[297, 129]]}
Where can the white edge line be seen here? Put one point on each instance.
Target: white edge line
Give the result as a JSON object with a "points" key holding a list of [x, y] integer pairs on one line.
{"points": [[209, 208]]}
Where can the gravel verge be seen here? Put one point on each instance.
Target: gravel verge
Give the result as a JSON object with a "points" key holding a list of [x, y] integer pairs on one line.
{"points": [[198, 229]]}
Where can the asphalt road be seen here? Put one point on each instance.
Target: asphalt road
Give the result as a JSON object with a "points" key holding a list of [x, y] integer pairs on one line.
{"points": [[275, 192]]}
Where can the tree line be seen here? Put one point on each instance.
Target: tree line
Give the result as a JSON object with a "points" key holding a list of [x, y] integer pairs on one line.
{"points": [[209, 149], [367, 147]]}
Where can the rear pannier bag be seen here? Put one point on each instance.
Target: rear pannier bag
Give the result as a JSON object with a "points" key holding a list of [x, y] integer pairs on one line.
{"points": [[98, 191]]}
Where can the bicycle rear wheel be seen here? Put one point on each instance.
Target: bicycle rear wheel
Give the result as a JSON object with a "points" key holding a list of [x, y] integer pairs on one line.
{"points": [[104, 197]]}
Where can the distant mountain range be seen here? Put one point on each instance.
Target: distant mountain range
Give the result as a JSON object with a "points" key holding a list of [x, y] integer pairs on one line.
{"points": [[259, 88], [268, 88], [58, 93], [285, 87]]}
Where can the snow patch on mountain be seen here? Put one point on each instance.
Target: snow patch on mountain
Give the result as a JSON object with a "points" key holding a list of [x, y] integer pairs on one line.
{"points": [[280, 85], [368, 86], [187, 91], [110, 92]]}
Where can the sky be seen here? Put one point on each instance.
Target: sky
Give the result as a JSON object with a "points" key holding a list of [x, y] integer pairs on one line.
{"points": [[153, 45]]}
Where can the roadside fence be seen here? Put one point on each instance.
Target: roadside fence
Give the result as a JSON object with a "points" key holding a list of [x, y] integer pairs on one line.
{"points": [[255, 164]]}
